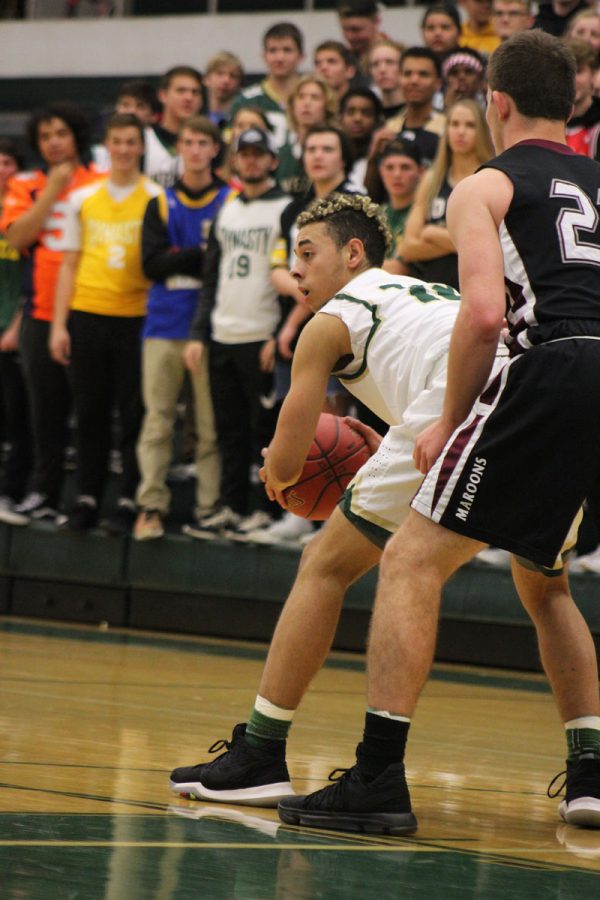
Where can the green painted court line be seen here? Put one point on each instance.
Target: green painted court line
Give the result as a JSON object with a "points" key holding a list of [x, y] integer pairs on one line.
{"points": [[64, 632]]}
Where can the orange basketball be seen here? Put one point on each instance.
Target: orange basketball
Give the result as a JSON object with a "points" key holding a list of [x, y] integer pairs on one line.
{"points": [[335, 456]]}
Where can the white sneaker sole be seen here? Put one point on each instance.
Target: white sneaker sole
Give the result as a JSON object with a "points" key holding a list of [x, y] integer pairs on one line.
{"points": [[200, 535], [262, 795], [13, 518], [148, 537], [585, 811]]}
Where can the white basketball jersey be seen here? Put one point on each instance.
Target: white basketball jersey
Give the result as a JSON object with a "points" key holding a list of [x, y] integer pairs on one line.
{"points": [[399, 329]]}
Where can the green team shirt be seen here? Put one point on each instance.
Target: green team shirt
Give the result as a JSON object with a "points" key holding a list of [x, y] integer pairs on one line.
{"points": [[10, 282], [260, 96], [396, 219]]}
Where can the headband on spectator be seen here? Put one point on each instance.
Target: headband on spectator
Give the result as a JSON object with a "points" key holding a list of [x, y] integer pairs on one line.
{"points": [[461, 59]]}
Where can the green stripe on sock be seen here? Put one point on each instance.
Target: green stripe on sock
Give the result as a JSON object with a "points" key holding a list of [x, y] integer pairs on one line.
{"points": [[581, 741], [264, 728]]}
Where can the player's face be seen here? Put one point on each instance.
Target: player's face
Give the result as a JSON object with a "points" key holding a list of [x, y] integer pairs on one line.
{"points": [[309, 105], [323, 160], [136, 107], [282, 57], [462, 130], [440, 33], [384, 67], [358, 32], [319, 267], [332, 69], [254, 166], [511, 17], [56, 142], [182, 98], [125, 147], [419, 80], [358, 119], [196, 150], [223, 82], [400, 175], [8, 168]]}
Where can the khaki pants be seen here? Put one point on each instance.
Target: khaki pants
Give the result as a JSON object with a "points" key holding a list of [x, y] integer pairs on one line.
{"points": [[163, 372]]}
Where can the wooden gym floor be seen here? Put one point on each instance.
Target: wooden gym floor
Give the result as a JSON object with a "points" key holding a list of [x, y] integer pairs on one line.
{"points": [[92, 721]]}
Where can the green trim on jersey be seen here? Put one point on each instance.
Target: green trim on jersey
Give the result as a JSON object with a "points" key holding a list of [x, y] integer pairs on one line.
{"points": [[373, 309], [426, 293], [374, 533]]}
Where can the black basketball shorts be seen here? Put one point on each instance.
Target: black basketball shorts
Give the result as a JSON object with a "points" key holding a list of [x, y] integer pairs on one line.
{"points": [[516, 472]]}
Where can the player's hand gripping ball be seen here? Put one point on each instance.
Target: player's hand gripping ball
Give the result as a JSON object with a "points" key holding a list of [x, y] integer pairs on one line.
{"points": [[335, 456]]}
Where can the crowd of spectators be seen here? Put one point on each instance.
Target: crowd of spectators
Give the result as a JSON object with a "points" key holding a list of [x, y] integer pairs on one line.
{"points": [[148, 273]]}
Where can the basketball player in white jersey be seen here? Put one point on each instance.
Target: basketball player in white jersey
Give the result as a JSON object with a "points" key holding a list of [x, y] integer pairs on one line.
{"points": [[386, 337]]}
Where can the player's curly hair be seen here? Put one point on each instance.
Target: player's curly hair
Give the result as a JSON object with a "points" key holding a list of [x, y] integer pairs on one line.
{"points": [[348, 216]]}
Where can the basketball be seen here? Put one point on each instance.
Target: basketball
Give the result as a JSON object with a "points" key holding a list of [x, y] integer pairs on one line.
{"points": [[335, 456]]}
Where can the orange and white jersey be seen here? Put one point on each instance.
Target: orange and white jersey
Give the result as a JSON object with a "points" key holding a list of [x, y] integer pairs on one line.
{"points": [[45, 255]]}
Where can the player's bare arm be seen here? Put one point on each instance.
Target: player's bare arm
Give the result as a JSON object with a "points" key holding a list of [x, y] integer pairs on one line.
{"points": [[323, 342], [476, 208]]}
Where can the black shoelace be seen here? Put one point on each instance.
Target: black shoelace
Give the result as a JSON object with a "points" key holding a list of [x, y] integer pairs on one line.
{"points": [[552, 794]]}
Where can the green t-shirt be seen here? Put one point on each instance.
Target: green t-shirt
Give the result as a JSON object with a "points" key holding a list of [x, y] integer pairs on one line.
{"points": [[396, 219], [259, 95]]}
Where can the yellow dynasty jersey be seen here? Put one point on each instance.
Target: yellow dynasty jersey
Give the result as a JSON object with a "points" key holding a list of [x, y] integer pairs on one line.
{"points": [[104, 223]]}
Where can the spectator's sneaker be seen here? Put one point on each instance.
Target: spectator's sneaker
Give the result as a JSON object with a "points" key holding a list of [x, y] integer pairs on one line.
{"points": [[122, 518], [381, 806], [581, 805], [115, 462], [255, 522], [148, 525], [589, 562], [215, 525], [243, 775], [83, 516], [35, 506], [494, 556], [9, 515], [288, 530], [182, 472]]}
